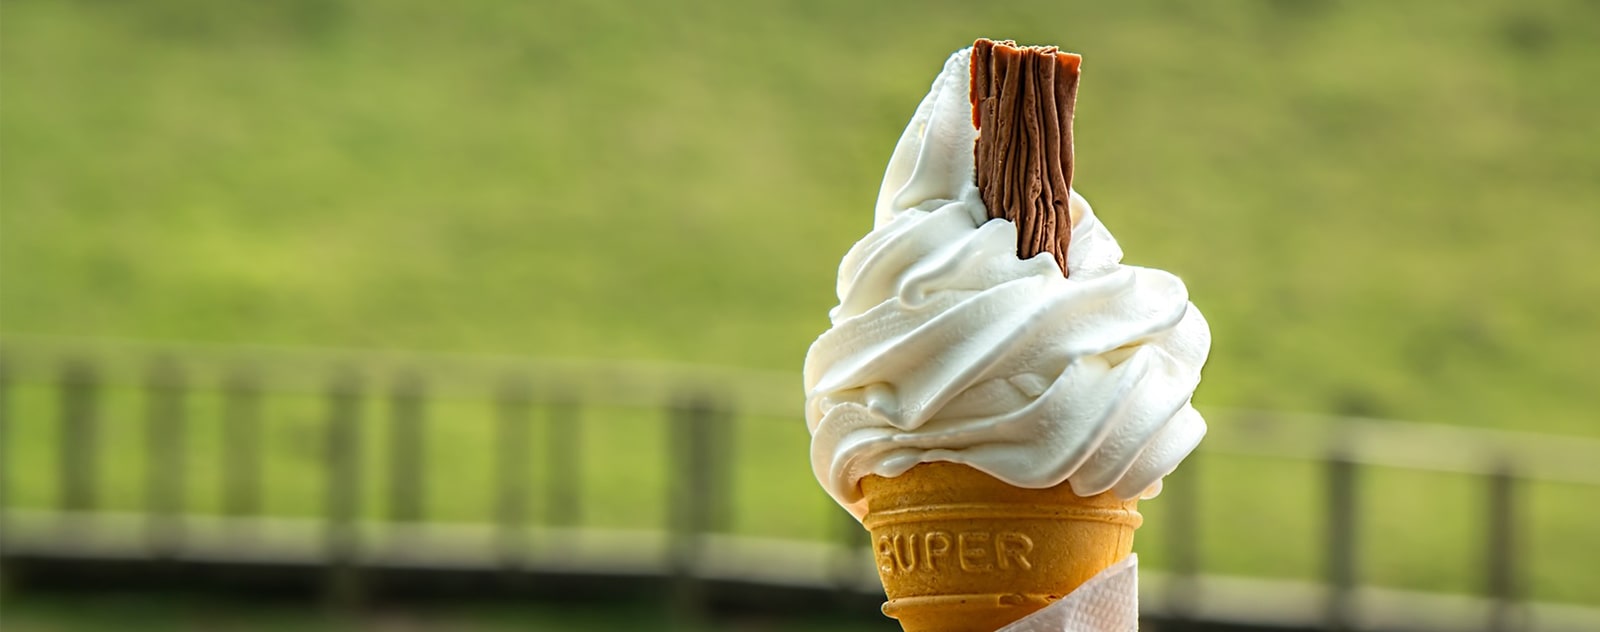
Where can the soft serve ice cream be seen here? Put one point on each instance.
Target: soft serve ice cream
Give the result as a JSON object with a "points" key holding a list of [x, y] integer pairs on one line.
{"points": [[946, 346]]}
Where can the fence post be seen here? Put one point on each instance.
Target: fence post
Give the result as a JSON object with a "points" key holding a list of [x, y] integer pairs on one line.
{"points": [[851, 560], [692, 511], [564, 441], [513, 404], [1183, 538], [76, 472], [407, 460], [165, 438], [242, 445], [720, 484], [1501, 555], [1341, 541], [343, 488], [5, 461]]}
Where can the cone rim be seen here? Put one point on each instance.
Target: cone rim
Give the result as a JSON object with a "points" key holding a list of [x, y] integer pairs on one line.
{"points": [[1003, 511]]}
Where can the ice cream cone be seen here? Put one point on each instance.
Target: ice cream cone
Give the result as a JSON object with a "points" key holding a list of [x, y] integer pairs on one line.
{"points": [[960, 550]]}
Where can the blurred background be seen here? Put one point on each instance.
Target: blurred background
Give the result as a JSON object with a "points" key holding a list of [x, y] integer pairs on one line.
{"points": [[489, 316]]}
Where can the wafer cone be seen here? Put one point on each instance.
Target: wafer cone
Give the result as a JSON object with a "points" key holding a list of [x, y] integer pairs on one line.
{"points": [[959, 550]]}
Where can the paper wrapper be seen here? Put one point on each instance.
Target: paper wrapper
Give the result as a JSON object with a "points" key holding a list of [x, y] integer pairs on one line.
{"points": [[1107, 603], [959, 550]]}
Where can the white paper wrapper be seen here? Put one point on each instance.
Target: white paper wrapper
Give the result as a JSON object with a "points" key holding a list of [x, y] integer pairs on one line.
{"points": [[1109, 602]]}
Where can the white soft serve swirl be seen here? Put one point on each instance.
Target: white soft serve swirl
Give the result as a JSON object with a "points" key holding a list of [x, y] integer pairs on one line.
{"points": [[946, 346]]}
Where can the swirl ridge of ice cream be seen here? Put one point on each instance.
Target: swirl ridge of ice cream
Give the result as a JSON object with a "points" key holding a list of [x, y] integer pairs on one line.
{"points": [[946, 346]]}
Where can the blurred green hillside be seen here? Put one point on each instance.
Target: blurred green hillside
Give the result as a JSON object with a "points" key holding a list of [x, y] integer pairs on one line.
{"points": [[1385, 209]]}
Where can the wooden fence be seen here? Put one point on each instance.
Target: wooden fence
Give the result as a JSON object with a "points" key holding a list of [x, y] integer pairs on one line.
{"points": [[538, 410]]}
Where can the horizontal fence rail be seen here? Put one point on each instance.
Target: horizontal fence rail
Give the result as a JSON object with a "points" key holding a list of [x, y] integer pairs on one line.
{"points": [[379, 423]]}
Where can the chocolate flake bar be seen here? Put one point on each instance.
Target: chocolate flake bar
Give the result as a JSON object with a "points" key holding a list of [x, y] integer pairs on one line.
{"points": [[1022, 101]]}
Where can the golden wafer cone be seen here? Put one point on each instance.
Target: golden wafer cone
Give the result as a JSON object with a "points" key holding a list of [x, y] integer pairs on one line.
{"points": [[959, 550]]}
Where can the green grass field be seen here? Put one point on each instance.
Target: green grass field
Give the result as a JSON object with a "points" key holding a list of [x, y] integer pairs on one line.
{"points": [[1384, 209]]}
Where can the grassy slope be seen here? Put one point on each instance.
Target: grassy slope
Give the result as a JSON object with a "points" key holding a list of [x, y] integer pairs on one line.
{"points": [[1382, 210]]}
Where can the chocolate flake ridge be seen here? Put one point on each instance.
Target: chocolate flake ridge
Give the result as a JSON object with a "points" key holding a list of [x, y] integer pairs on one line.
{"points": [[1022, 102]]}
